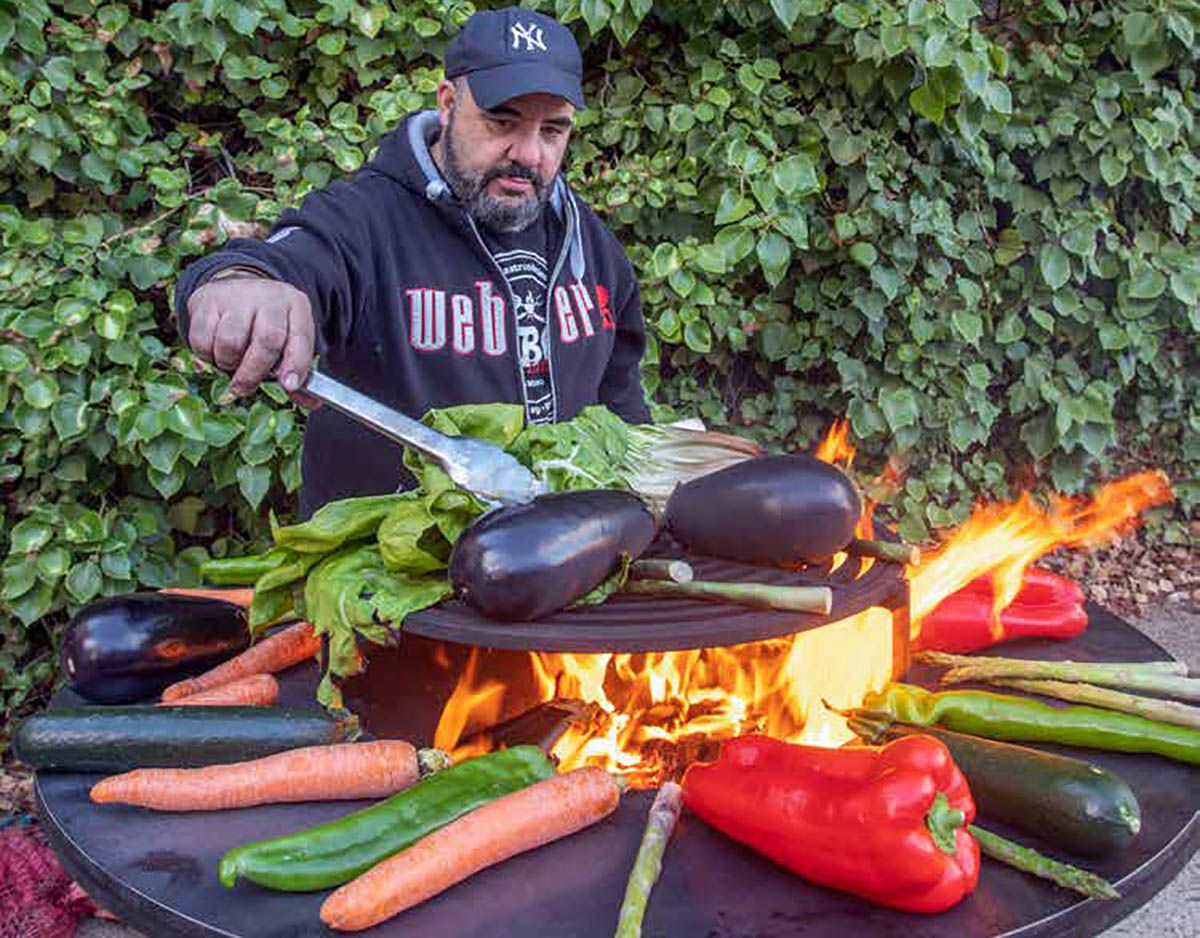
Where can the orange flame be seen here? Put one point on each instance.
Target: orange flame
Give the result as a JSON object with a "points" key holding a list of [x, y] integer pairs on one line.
{"points": [[657, 710], [836, 447], [1003, 539]]}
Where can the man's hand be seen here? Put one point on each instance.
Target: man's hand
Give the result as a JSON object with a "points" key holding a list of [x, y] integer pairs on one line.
{"points": [[251, 327]]}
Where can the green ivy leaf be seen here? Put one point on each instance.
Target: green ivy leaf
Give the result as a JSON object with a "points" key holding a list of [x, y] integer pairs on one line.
{"points": [[863, 253], [29, 535], [929, 100], [681, 118], [732, 207], [53, 563], [850, 15], [1139, 29], [13, 358], [595, 13], [697, 335], [846, 148], [253, 482], [83, 582], [1055, 265], [1146, 283], [899, 406], [1182, 27], [796, 175], [774, 254], [34, 604], [786, 11], [1112, 169], [961, 12], [1185, 284], [967, 324], [60, 72], [69, 416], [244, 17], [41, 392], [998, 97], [1010, 247]]}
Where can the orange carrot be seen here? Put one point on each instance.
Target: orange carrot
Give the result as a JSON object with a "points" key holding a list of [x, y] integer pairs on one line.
{"points": [[312, 773], [240, 596], [285, 648], [511, 824], [257, 690]]}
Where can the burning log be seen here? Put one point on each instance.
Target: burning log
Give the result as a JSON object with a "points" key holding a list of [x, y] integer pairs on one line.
{"points": [[541, 725]]}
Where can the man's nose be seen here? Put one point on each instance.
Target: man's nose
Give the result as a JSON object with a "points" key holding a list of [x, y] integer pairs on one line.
{"points": [[526, 149]]}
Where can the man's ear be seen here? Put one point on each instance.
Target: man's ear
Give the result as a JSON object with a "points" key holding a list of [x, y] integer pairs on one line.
{"points": [[446, 99]]}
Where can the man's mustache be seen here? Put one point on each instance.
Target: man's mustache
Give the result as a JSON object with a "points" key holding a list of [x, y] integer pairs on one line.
{"points": [[515, 172]]}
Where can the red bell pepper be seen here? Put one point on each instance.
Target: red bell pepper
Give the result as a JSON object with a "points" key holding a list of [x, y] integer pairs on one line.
{"points": [[1046, 606], [885, 823]]}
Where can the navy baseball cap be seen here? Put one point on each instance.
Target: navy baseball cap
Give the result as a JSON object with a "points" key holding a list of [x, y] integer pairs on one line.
{"points": [[507, 53]]}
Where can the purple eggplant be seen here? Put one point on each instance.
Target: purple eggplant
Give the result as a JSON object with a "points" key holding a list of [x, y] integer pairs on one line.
{"points": [[774, 510], [524, 562], [129, 647]]}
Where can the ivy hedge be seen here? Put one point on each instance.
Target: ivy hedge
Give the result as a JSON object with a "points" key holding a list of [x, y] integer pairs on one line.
{"points": [[970, 226]]}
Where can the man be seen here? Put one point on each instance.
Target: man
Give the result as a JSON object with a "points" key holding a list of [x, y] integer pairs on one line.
{"points": [[457, 267]]}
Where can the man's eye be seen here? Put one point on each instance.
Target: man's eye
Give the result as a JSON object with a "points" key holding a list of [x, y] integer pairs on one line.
{"points": [[500, 123], [552, 132]]}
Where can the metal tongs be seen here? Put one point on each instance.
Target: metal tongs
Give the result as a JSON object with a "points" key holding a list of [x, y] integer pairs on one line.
{"points": [[483, 469]]}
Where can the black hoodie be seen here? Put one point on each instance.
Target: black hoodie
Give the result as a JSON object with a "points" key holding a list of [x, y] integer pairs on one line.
{"points": [[412, 309]]}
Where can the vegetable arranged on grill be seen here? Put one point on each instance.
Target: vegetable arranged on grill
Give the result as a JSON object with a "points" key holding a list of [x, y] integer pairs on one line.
{"points": [[523, 562], [257, 690], [774, 510], [116, 739], [521, 820], [312, 773], [1079, 806], [888, 824], [1019, 719], [334, 853], [128, 648], [276, 652]]}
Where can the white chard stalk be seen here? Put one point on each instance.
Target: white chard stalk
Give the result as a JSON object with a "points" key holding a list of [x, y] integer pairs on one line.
{"points": [[663, 457]]}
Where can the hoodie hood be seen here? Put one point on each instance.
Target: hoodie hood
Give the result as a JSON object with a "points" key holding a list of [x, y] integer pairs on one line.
{"points": [[404, 155]]}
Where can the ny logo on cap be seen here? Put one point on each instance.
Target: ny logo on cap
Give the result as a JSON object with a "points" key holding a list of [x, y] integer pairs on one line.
{"points": [[530, 34]]}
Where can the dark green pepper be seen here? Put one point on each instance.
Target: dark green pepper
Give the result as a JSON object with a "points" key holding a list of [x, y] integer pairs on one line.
{"points": [[1020, 719], [334, 853]]}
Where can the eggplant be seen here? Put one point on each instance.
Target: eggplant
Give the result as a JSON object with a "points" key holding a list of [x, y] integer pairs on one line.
{"points": [[773, 510], [523, 562], [128, 648]]}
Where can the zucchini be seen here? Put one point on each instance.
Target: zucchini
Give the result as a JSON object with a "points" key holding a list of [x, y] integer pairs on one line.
{"points": [[117, 739], [128, 648], [773, 510], [1073, 804]]}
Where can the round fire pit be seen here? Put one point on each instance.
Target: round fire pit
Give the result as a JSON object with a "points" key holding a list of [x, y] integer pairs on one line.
{"points": [[158, 870]]}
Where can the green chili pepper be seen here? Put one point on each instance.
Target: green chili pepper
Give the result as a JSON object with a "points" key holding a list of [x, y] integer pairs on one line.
{"points": [[1020, 719], [334, 853], [243, 571]]}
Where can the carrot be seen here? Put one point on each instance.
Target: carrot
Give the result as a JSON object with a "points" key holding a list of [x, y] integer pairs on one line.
{"points": [[512, 824], [257, 690], [285, 648], [239, 597], [312, 773]]}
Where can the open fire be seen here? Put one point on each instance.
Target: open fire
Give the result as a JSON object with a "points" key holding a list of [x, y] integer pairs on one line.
{"points": [[649, 714]]}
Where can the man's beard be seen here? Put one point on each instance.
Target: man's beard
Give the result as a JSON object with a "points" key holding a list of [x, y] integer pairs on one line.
{"points": [[495, 214]]}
